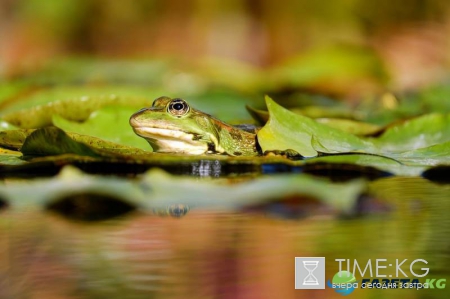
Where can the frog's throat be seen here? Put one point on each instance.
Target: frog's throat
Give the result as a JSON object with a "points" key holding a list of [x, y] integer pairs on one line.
{"points": [[169, 141]]}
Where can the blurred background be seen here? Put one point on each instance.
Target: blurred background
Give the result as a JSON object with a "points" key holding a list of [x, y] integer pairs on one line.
{"points": [[220, 55], [347, 48]]}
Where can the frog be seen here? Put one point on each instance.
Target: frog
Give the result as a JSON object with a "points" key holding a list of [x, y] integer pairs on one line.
{"points": [[173, 126]]}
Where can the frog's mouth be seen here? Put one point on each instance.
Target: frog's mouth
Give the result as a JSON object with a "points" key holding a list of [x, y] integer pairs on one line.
{"points": [[171, 141]]}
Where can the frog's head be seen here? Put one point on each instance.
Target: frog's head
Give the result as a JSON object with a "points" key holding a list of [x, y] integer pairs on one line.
{"points": [[170, 125]]}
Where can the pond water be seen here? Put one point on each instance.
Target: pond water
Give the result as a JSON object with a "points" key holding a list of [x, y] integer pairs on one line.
{"points": [[226, 254]]}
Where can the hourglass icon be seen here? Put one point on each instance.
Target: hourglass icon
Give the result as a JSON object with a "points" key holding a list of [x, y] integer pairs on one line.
{"points": [[310, 279]]}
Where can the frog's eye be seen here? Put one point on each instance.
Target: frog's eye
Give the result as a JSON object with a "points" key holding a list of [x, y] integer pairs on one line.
{"points": [[178, 107]]}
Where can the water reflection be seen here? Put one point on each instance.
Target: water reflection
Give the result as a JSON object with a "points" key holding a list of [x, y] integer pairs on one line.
{"points": [[221, 254], [206, 168]]}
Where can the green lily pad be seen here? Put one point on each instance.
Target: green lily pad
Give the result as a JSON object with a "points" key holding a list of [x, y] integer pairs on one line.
{"points": [[350, 126], [324, 112], [109, 123], [438, 154], [287, 130], [420, 132], [100, 95], [53, 141], [423, 141], [347, 125], [75, 109], [7, 126], [9, 157], [107, 148], [11, 160], [14, 139]]}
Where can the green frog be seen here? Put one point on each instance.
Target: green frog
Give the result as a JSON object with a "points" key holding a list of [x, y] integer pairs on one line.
{"points": [[172, 126]]}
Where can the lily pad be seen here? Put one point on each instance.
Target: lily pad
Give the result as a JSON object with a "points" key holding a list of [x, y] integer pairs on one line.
{"points": [[130, 95], [9, 157], [53, 141], [438, 154], [347, 125], [420, 132], [11, 160], [350, 126], [287, 130], [7, 126], [109, 123], [14, 139], [75, 109], [324, 112]]}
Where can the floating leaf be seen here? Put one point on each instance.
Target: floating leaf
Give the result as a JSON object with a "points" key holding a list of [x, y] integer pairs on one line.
{"points": [[13, 139], [53, 141], [432, 155], [287, 130], [347, 125], [324, 112], [75, 109], [107, 148], [109, 123], [8, 157], [7, 126], [350, 126], [420, 132]]}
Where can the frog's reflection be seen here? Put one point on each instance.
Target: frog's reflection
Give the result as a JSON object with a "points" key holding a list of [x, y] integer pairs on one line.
{"points": [[206, 168]]}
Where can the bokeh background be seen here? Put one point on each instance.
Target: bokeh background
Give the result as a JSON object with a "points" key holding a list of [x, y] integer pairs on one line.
{"points": [[221, 55], [318, 45]]}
